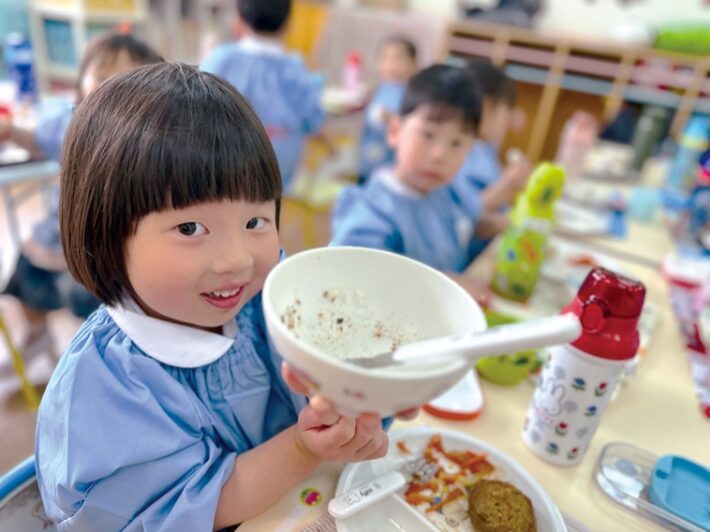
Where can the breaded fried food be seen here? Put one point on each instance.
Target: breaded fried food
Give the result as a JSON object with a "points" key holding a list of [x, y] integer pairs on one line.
{"points": [[497, 506]]}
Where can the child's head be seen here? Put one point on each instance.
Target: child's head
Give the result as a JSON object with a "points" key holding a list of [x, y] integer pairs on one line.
{"points": [[499, 98], [111, 54], [266, 17], [397, 60], [170, 192], [436, 127]]}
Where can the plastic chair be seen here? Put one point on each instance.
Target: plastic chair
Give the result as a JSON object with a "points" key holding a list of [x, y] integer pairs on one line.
{"points": [[28, 390], [21, 506]]}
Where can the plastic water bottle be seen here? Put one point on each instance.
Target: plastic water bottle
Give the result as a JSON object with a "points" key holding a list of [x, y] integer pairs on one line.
{"points": [[691, 146], [352, 72], [18, 56], [521, 252], [578, 379], [648, 134]]}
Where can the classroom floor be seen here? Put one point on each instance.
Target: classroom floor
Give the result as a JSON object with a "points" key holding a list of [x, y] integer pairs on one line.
{"points": [[302, 225]]}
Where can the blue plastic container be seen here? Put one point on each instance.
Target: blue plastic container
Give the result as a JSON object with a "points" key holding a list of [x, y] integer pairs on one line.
{"points": [[683, 488], [18, 56]]}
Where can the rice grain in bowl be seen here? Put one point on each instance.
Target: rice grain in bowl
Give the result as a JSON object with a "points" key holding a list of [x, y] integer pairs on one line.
{"points": [[325, 305]]}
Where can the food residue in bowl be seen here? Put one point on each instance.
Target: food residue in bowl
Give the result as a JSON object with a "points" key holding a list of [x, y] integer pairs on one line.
{"points": [[342, 324]]}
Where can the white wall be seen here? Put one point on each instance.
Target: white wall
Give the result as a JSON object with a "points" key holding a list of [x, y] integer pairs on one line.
{"points": [[592, 17], [598, 16], [440, 7]]}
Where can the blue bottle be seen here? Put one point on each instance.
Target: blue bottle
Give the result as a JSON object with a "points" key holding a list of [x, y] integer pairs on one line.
{"points": [[691, 146], [18, 56]]}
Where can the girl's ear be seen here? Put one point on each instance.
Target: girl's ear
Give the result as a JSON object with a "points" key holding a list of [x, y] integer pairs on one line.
{"points": [[394, 125]]}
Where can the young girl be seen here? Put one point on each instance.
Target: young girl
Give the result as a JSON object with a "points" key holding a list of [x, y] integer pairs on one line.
{"points": [[41, 282], [167, 411]]}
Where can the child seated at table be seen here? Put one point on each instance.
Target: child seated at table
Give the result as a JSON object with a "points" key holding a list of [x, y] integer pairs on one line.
{"points": [[482, 167], [41, 281], [410, 207], [397, 62], [168, 412], [283, 92]]}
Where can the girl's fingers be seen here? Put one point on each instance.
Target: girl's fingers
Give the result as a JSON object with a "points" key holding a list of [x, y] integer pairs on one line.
{"points": [[376, 447], [321, 404], [364, 432], [312, 418], [292, 380]]}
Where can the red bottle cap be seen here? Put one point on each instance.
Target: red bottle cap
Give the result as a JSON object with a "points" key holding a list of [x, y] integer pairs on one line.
{"points": [[354, 58], [608, 306]]}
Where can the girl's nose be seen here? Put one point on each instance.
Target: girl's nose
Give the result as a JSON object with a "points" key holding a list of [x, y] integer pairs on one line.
{"points": [[232, 259]]}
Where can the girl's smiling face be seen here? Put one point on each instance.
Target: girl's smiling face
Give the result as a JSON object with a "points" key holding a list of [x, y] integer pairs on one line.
{"points": [[200, 265]]}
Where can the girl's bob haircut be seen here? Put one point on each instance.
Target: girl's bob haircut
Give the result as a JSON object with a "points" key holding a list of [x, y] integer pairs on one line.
{"points": [[154, 138]]}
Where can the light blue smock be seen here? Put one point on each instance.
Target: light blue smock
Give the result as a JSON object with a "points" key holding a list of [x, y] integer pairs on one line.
{"points": [[282, 91], [435, 228], [374, 149], [52, 125], [480, 170], [127, 442]]}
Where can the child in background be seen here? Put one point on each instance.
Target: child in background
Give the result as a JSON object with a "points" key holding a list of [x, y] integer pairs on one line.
{"points": [[410, 208], [482, 167], [41, 281], [283, 93], [397, 63], [167, 411]]}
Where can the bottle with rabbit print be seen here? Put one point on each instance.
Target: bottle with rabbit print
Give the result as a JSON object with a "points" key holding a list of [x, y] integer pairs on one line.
{"points": [[578, 380]]}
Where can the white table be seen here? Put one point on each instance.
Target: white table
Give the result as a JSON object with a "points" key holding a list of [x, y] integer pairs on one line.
{"points": [[36, 173]]}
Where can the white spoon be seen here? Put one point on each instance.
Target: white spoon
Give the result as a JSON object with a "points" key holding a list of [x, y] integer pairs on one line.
{"points": [[499, 340]]}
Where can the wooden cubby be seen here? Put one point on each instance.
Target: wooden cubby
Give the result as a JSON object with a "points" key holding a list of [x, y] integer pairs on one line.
{"points": [[558, 76]]}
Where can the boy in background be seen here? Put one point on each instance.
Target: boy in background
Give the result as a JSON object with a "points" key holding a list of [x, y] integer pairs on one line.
{"points": [[482, 167], [282, 91], [410, 208]]}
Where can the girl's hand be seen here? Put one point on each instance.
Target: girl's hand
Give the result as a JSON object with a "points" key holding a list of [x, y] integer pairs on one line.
{"points": [[323, 433]]}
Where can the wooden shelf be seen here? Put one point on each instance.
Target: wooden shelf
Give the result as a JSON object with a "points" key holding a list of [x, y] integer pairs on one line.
{"points": [[590, 70]]}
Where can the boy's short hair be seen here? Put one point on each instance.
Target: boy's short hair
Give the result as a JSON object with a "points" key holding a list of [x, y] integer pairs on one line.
{"points": [[449, 92], [264, 16], [107, 46], [407, 45], [156, 137], [493, 81]]}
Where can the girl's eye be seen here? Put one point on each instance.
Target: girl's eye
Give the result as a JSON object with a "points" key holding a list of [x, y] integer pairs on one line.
{"points": [[428, 135], [455, 143], [256, 223], [192, 229]]}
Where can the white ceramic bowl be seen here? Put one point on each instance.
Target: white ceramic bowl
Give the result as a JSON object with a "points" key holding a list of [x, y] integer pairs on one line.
{"points": [[402, 291]]}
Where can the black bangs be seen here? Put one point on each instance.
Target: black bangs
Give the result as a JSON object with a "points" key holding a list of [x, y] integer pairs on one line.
{"points": [[203, 148], [447, 92], [440, 112], [199, 142]]}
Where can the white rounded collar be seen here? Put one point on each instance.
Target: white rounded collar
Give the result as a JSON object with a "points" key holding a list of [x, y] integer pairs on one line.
{"points": [[172, 343]]}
